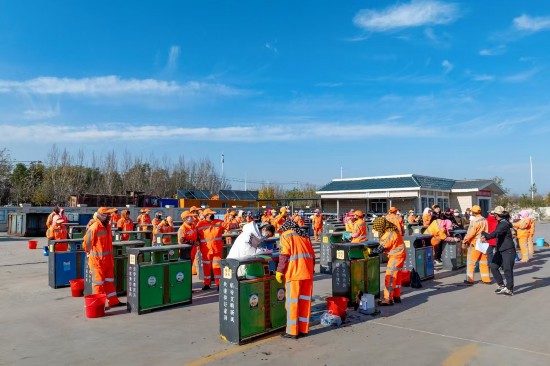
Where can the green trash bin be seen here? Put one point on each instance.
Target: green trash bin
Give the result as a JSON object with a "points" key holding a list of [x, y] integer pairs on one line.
{"points": [[120, 257], [355, 270], [252, 302], [77, 231], [160, 282]]}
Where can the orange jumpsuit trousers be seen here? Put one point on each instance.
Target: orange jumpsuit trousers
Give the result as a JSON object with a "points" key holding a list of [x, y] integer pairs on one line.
{"points": [[298, 306], [211, 261], [392, 283], [103, 277], [473, 257]]}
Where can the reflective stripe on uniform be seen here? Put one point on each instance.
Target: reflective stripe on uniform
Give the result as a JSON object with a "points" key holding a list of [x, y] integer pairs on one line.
{"points": [[109, 280], [298, 256], [101, 233], [98, 282], [304, 297], [303, 320], [100, 254], [396, 250], [206, 262], [111, 294], [290, 235]]}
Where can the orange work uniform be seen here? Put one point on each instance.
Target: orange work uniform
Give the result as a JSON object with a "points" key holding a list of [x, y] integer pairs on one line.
{"points": [[163, 228], [523, 228], [477, 226], [125, 224], [317, 225], [531, 241], [144, 219], [397, 221], [426, 220], [114, 219], [437, 232], [60, 232], [98, 243], [298, 219], [187, 234], [299, 280], [211, 247], [49, 220], [359, 231], [394, 247]]}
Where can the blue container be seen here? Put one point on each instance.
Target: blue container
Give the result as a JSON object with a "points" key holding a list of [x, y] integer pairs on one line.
{"points": [[83, 219], [46, 251], [429, 261], [540, 242], [65, 266]]}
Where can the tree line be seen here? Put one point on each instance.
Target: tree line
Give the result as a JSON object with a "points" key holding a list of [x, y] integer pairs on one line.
{"points": [[63, 174]]}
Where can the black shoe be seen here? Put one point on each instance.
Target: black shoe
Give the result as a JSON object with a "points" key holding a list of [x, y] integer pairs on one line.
{"points": [[486, 283], [218, 288], [301, 335], [468, 283], [120, 304], [397, 299], [289, 336], [205, 287], [385, 302]]}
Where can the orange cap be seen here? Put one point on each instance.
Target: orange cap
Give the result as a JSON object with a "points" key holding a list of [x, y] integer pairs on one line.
{"points": [[208, 212], [358, 213], [393, 209], [186, 214], [476, 209], [232, 213], [105, 210], [193, 208]]}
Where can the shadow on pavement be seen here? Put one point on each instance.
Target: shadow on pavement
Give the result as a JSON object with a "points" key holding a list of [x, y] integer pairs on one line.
{"points": [[537, 283]]}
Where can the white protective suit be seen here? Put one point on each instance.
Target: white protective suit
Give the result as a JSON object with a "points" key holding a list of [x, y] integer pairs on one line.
{"points": [[246, 244]]}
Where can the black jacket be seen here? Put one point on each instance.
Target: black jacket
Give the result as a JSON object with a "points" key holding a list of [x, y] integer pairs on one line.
{"points": [[503, 235]]}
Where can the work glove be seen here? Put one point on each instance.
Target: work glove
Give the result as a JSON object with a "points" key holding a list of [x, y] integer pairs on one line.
{"points": [[380, 249], [279, 277]]}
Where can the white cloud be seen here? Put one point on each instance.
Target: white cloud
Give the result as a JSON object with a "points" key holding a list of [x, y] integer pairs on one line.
{"points": [[483, 77], [272, 47], [498, 50], [522, 76], [447, 66], [111, 86], [329, 85], [173, 56], [531, 24], [252, 133], [415, 14]]}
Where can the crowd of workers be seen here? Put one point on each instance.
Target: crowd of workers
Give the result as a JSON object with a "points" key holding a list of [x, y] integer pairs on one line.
{"points": [[488, 241]]}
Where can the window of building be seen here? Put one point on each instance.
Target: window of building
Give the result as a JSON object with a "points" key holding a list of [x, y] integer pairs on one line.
{"points": [[443, 202], [378, 206]]}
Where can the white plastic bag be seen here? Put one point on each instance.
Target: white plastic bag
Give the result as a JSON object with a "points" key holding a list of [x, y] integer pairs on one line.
{"points": [[481, 246], [330, 319]]}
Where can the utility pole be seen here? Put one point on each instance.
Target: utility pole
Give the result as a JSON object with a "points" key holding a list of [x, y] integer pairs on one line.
{"points": [[341, 172], [532, 183], [245, 176], [223, 160]]}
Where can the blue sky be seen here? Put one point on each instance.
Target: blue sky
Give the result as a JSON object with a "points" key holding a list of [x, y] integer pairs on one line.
{"points": [[288, 91]]}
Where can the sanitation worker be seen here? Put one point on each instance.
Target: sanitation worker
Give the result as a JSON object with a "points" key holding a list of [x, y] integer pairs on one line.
{"points": [[60, 232], [317, 224], [278, 220], [98, 244], [523, 228], [412, 218], [114, 218], [166, 226], [299, 220], [125, 223], [92, 220], [157, 220], [248, 242], [187, 234], [210, 232], [195, 212], [144, 219], [359, 231], [531, 242], [426, 217], [477, 225], [296, 264], [396, 219], [391, 242], [440, 231], [49, 220]]}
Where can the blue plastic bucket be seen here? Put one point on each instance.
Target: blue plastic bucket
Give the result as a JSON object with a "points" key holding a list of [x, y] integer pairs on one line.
{"points": [[540, 242]]}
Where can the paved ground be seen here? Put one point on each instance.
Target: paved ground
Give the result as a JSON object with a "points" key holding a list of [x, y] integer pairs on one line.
{"points": [[443, 323]]}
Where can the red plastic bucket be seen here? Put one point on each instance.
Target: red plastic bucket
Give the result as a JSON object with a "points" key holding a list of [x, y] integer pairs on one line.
{"points": [[32, 244], [338, 306], [405, 278], [77, 287], [95, 305]]}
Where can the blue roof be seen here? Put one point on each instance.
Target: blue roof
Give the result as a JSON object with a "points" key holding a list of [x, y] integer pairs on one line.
{"points": [[405, 181]]}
